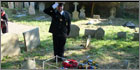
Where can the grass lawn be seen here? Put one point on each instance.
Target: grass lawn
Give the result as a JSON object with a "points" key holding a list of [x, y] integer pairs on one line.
{"points": [[105, 52]]}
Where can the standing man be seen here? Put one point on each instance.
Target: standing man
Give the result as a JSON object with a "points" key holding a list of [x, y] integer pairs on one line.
{"points": [[60, 27]]}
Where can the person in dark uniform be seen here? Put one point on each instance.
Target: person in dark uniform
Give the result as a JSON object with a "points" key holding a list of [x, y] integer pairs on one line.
{"points": [[60, 27], [4, 21]]}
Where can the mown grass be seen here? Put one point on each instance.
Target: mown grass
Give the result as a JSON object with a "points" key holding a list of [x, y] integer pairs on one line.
{"points": [[101, 50]]}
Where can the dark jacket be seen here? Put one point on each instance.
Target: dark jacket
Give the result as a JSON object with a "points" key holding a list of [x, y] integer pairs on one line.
{"points": [[60, 24], [4, 16]]}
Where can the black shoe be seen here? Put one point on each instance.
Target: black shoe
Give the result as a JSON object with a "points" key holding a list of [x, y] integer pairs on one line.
{"points": [[59, 60], [64, 56]]}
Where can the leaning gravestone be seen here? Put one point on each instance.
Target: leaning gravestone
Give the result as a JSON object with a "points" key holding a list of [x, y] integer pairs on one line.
{"points": [[136, 37], [74, 32], [121, 35], [90, 32], [88, 41], [31, 39], [99, 34], [9, 45]]}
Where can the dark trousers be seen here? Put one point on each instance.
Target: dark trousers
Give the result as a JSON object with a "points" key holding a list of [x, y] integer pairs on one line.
{"points": [[4, 30], [58, 44], [4, 27]]}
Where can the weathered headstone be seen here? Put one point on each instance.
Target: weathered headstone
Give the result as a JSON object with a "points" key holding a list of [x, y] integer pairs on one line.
{"points": [[26, 4], [41, 6], [11, 5], [32, 4], [136, 37], [75, 13], [31, 39], [96, 16], [19, 5], [74, 32], [121, 35], [112, 13], [82, 13], [31, 10], [90, 32], [9, 45], [29, 64], [99, 34]]}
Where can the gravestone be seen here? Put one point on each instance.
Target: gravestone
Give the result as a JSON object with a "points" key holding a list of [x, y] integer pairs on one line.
{"points": [[29, 64], [99, 34], [74, 32], [41, 6], [9, 45], [31, 39], [136, 37], [90, 32], [11, 5], [82, 13], [31, 10], [26, 4], [75, 13], [32, 4], [19, 5], [16, 4], [112, 13], [96, 16], [121, 35]]}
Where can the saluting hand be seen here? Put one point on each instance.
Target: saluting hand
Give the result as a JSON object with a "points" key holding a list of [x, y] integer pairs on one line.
{"points": [[55, 5]]}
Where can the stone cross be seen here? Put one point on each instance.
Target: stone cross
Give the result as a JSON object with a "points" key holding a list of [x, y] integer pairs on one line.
{"points": [[75, 13], [75, 3], [112, 13], [82, 12]]}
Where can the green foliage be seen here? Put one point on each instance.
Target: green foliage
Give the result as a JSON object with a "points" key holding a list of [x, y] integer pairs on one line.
{"points": [[4, 4]]}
